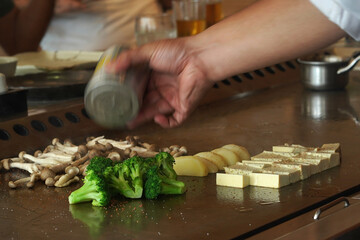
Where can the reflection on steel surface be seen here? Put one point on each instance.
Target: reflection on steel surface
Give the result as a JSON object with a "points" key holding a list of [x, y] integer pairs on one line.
{"points": [[327, 105]]}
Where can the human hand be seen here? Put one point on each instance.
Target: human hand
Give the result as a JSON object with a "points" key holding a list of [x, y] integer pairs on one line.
{"points": [[64, 6], [177, 82]]}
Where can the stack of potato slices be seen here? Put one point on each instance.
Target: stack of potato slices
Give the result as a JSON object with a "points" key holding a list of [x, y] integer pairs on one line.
{"points": [[203, 163]]}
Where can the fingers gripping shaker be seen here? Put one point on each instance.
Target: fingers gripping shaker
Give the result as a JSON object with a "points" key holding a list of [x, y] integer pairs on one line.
{"points": [[112, 100]]}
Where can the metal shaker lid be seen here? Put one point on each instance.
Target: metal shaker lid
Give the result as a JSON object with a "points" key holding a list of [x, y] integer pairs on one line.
{"points": [[111, 105]]}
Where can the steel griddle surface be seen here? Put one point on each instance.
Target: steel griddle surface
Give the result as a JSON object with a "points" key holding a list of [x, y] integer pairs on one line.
{"points": [[287, 114]]}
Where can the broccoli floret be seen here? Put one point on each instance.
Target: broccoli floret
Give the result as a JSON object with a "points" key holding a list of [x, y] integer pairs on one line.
{"points": [[94, 190], [99, 164], [157, 183], [126, 178], [165, 162]]}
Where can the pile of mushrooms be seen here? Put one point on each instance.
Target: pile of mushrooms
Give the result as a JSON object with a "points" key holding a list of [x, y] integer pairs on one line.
{"points": [[60, 164]]}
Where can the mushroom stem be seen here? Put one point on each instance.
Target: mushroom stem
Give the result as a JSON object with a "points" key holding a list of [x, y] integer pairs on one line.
{"points": [[59, 156], [143, 152], [41, 161], [33, 178], [64, 148], [68, 182], [80, 160], [17, 182], [29, 167], [71, 172], [150, 147], [118, 144], [91, 141], [82, 168], [59, 167]]}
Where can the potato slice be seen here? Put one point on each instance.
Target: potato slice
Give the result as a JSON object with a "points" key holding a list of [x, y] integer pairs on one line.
{"points": [[242, 152], [214, 158], [190, 166], [212, 168], [229, 156]]}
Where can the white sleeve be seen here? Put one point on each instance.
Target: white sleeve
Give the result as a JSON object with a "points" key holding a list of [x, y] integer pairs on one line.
{"points": [[344, 13]]}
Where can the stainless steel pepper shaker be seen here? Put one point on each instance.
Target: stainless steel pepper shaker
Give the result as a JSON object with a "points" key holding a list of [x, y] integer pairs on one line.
{"points": [[112, 100]]}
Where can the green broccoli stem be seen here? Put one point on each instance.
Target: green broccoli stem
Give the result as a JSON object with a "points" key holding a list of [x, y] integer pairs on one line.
{"points": [[169, 171], [87, 193], [171, 186], [138, 187], [171, 189]]}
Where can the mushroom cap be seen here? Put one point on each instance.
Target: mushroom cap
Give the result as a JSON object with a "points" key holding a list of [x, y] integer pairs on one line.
{"points": [[47, 173], [49, 182], [21, 154], [82, 149], [55, 141]]}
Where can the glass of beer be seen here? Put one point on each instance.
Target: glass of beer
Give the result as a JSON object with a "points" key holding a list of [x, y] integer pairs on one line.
{"points": [[149, 28], [214, 12], [190, 16]]}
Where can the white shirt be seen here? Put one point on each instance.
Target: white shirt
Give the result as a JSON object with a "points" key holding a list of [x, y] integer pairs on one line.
{"points": [[344, 13], [102, 24]]}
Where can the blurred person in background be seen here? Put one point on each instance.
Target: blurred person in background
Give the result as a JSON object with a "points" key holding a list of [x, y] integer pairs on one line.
{"points": [[21, 30], [265, 33], [95, 25]]}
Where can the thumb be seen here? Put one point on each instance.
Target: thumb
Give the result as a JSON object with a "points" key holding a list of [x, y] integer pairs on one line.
{"points": [[130, 58]]}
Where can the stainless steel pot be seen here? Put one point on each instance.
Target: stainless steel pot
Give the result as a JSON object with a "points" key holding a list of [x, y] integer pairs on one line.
{"points": [[329, 73]]}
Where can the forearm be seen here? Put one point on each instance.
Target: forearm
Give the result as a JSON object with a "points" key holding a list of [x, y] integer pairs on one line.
{"points": [[25, 28], [267, 32]]}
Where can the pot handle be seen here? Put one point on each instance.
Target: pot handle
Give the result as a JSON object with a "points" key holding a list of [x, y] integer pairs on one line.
{"points": [[356, 58]]}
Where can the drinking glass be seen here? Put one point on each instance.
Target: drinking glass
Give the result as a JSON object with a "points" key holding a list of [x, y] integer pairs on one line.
{"points": [[214, 12], [190, 16], [149, 28]]}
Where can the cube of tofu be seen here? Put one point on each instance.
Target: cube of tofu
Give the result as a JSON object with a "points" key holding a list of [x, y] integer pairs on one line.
{"points": [[303, 168], [232, 180], [282, 175], [319, 162], [269, 180]]}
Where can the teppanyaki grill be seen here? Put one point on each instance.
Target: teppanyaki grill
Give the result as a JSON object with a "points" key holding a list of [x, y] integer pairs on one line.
{"points": [[257, 121]]}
